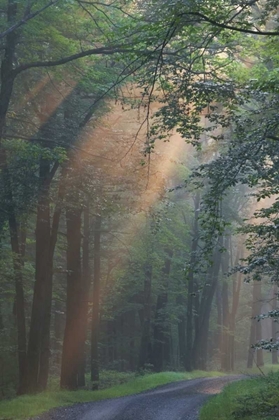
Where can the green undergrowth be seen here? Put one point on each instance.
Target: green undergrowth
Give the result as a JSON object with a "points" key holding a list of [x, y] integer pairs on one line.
{"points": [[24, 407], [256, 398]]}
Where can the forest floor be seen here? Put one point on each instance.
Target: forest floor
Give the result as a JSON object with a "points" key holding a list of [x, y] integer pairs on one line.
{"points": [[175, 401], [24, 407]]}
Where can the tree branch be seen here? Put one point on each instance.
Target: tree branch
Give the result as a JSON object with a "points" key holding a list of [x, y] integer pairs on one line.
{"points": [[53, 63], [226, 26], [26, 18]]}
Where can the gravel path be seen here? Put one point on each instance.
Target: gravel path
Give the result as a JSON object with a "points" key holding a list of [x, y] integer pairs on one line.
{"points": [[176, 401]]}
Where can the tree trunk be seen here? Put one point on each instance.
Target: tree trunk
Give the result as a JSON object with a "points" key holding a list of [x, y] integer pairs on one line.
{"points": [[235, 303], [225, 354], [38, 336], [58, 331], [181, 301], [201, 334], [274, 324], [20, 305], [189, 319], [260, 361], [161, 329], [49, 252], [145, 336], [7, 66], [132, 327], [73, 331], [255, 329], [85, 292], [7, 75], [96, 304]]}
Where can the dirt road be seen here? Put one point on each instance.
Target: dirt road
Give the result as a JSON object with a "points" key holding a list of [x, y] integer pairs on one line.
{"points": [[176, 401]]}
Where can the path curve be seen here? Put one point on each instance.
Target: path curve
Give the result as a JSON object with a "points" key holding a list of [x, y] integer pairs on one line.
{"points": [[175, 401]]}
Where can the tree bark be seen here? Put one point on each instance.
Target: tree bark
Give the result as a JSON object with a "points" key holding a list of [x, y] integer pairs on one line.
{"points": [[96, 304], [73, 331], [161, 331], [145, 336], [235, 303], [274, 324], [255, 329], [189, 318], [7, 82], [38, 347], [86, 276], [225, 353], [7, 66], [201, 333], [19, 300]]}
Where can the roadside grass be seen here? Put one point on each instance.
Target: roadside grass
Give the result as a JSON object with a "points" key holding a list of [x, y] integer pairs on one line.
{"points": [[27, 406], [256, 398]]}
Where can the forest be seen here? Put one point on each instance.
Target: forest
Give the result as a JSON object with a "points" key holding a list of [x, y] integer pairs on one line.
{"points": [[139, 158]]}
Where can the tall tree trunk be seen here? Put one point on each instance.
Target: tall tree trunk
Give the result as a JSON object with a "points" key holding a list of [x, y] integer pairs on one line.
{"points": [[145, 336], [85, 292], [73, 331], [255, 330], [260, 361], [225, 354], [161, 331], [201, 333], [45, 342], [132, 326], [274, 324], [7, 75], [19, 300], [181, 302], [7, 66], [58, 331], [42, 287], [235, 303], [96, 303], [189, 319]]}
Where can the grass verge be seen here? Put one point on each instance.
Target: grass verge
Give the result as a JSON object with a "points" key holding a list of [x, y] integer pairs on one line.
{"points": [[24, 407], [250, 399]]}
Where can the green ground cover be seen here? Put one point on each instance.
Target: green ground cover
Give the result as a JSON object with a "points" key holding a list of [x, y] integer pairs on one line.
{"points": [[24, 407], [255, 398]]}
